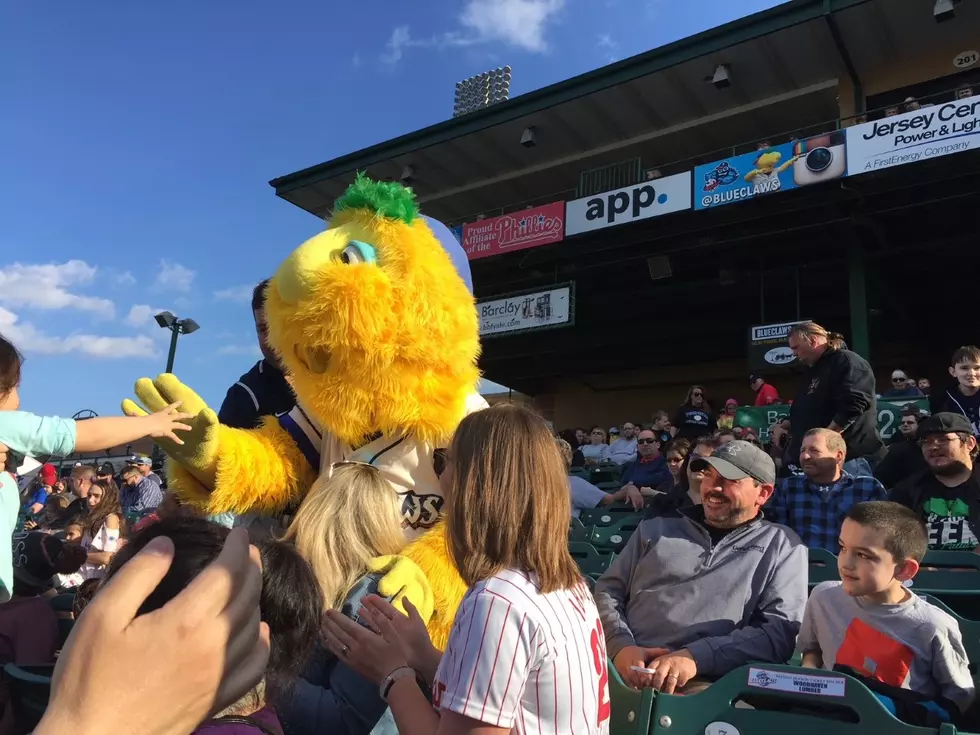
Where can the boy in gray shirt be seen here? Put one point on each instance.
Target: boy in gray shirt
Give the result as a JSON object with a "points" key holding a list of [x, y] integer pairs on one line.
{"points": [[871, 623]]}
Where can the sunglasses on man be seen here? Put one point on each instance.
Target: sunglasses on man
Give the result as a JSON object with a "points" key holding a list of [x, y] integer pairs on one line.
{"points": [[647, 441]]}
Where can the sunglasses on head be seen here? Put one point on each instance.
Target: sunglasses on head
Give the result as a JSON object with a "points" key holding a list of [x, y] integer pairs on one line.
{"points": [[646, 441]]}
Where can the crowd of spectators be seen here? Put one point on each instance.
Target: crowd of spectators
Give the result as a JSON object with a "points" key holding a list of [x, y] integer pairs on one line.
{"points": [[713, 577]]}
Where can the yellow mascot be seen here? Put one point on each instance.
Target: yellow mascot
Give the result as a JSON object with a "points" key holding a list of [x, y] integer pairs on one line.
{"points": [[375, 322]]}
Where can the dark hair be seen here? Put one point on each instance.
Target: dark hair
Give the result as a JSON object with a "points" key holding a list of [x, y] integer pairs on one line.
{"points": [[10, 362], [903, 529], [701, 441], [109, 505], [704, 397], [258, 294], [681, 446], [967, 353], [569, 436], [722, 432], [291, 601]]}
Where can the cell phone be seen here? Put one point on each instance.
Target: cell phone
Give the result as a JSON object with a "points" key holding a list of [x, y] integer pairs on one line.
{"points": [[642, 670]]}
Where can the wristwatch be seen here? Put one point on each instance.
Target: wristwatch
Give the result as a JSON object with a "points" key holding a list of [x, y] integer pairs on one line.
{"points": [[400, 673]]}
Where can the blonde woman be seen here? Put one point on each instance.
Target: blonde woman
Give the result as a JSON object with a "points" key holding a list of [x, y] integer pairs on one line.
{"points": [[347, 528], [527, 651]]}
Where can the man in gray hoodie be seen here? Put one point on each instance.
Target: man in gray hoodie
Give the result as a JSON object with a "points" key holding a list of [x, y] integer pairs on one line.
{"points": [[717, 587]]}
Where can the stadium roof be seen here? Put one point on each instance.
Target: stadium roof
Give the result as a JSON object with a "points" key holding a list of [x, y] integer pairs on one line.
{"points": [[659, 106]]}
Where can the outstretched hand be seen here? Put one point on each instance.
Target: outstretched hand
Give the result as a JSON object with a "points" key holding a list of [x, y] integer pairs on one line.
{"points": [[163, 423]]}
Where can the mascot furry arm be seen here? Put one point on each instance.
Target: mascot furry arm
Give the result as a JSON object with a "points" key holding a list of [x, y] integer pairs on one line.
{"points": [[375, 323]]}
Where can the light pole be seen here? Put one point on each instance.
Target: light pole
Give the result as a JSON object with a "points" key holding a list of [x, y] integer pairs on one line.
{"points": [[166, 320], [177, 327]]}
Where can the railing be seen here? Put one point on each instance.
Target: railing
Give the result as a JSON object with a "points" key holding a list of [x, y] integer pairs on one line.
{"points": [[632, 171], [613, 176]]}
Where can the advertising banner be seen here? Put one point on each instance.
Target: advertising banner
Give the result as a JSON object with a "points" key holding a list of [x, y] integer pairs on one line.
{"points": [[760, 418], [516, 231], [929, 132], [526, 311], [629, 204], [457, 233], [768, 348], [769, 170]]}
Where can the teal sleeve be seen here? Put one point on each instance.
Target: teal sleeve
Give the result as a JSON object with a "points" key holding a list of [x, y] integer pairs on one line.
{"points": [[9, 507], [37, 436]]}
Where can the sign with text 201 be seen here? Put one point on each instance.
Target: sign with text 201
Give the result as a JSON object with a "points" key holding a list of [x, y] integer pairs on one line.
{"points": [[629, 204]]}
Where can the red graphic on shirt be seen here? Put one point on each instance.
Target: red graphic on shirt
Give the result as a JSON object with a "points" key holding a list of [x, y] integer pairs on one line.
{"points": [[875, 655]]}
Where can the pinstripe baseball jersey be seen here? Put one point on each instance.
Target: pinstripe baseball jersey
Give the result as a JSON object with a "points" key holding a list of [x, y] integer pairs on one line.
{"points": [[524, 661]]}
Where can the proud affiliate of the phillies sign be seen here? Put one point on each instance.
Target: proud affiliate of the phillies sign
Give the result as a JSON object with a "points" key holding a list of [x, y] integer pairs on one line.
{"points": [[518, 231]]}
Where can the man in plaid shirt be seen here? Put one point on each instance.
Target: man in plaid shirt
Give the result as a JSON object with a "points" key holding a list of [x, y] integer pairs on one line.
{"points": [[813, 504]]}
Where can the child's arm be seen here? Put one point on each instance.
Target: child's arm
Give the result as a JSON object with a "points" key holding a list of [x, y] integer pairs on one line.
{"points": [[812, 660], [102, 433], [951, 668]]}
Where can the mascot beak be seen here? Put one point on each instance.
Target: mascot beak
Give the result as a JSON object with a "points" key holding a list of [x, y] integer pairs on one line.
{"points": [[297, 275]]}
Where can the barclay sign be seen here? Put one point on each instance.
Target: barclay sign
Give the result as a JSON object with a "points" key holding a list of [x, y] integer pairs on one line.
{"points": [[629, 204], [930, 132]]}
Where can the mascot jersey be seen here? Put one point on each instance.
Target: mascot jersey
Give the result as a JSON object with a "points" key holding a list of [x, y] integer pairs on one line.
{"points": [[375, 323], [407, 464]]}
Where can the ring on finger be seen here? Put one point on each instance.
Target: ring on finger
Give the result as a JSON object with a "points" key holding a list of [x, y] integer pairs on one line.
{"points": [[344, 650]]}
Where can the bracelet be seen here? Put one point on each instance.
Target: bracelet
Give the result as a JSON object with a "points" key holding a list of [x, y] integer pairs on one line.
{"points": [[400, 673]]}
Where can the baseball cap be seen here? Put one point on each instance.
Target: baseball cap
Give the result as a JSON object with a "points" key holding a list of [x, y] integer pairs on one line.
{"points": [[106, 468], [737, 460], [49, 474], [945, 422], [614, 430], [753, 378], [731, 402], [140, 459]]}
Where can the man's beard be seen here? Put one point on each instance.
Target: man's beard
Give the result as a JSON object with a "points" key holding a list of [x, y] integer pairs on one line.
{"points": [[953, 468]]}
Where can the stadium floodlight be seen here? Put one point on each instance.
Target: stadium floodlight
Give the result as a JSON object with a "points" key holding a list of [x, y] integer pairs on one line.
{"points": [[482, 90]]}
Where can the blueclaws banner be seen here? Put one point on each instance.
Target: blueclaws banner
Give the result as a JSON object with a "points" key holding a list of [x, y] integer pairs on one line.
{"points": [[929, 132], [770, 170]]}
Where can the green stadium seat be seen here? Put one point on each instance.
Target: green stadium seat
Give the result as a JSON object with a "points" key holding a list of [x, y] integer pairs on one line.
{"points": [[590, 560], [631, 708], [969, 630], [582, 472], [30, 689], [614, 537], [578, 532], [607, 515], [823, 567], [606, 473], [780, 699]]}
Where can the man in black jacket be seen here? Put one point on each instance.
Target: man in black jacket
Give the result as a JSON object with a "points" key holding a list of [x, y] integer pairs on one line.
{"points": [[263, 390], [838, 393]]}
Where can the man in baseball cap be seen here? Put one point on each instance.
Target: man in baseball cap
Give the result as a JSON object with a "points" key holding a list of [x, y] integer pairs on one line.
{"points": [[700, 592], [947, 494], [738, 481], [145, 465]]}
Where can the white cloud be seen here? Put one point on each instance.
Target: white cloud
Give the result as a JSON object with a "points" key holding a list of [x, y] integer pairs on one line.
{"points": [[174, 276], [518, 23], [355, 60], [607, 44], [249, 350], [400, 38], [27, 338], [126, 279], [237, 294], [53, 286], [141, 315]]}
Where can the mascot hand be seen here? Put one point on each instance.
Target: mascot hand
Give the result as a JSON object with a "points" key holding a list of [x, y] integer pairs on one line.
{"points": [[199, 452], [403, 579]]}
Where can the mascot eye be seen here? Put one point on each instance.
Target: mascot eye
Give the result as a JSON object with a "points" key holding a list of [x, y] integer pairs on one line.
{"points": [[357, 252]]}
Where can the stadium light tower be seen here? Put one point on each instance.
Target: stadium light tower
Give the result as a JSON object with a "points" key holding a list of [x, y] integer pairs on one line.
{"points": [[482, 90], [166, 320]]}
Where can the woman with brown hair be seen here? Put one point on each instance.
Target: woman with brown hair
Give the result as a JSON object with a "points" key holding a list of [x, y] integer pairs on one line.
{"points": [[695, 416], [101, 532], [526, 643]]}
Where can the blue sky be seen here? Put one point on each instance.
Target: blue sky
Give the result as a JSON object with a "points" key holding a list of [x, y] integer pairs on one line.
{"points": [[139, 138]]}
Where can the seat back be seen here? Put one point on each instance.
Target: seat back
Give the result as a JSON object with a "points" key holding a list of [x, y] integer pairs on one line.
{"points": [[823, 567], [590, 560], [30, 689], [631, 708], [614, 537], [781, 699], [969, 631], [606, 472], [606, 515]]}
